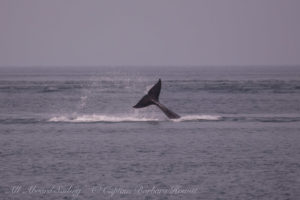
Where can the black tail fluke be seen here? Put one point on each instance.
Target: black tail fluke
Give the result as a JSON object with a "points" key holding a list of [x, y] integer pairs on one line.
{"points": [[155, 91], [152, 98], [144, 102], [153, 95]]}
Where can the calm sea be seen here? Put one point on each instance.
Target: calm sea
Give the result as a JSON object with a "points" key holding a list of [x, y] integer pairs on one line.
{"points": [[71, 133]]}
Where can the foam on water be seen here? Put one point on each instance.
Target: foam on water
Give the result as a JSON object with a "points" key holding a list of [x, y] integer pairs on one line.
{"points": [[198, 118], [129, 118], [100, 118], [149, 117]]}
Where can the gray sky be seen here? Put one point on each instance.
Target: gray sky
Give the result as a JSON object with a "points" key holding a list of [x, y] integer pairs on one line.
{"points": [[149, 32]]}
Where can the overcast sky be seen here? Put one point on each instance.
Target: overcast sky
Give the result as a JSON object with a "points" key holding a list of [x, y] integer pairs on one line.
{"points": [[149, 32]]}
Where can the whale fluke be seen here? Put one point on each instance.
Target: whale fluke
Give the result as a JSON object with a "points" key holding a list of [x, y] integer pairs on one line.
{"points": [[152, 98]]}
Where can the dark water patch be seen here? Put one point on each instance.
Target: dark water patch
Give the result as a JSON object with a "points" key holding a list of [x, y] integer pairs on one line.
{"points": [[210, 86], [275, 119], [63, 86], [236, 86], [40, 86], [21, 121]]}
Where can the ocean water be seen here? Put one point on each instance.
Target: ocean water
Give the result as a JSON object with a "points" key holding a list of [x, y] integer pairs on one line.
{"points": [[71, 133]]}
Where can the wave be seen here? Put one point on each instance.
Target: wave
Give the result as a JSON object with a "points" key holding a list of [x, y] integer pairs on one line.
{"points": [[184, 118], [135, 118], [198, 118], [102, 118]]}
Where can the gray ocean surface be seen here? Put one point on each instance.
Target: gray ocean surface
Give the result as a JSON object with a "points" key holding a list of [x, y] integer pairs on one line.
{"points": [[71, 133]]}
